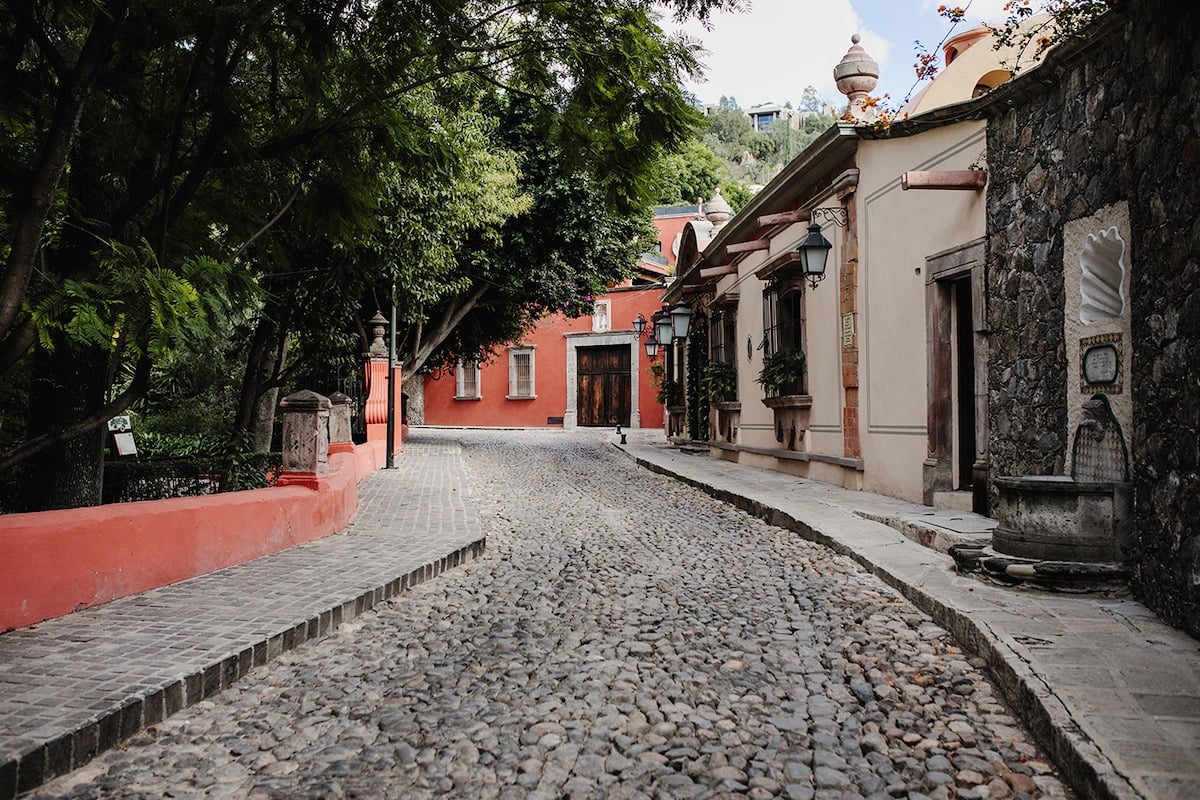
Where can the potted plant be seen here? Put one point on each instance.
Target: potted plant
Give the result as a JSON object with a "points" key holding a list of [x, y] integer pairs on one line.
{"points": [[782, 377], [720, 381], [666, 389], [782, 373]]}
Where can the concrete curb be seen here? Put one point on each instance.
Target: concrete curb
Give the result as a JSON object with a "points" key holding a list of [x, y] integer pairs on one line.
{"points": [[48, 760], [1088, 771]]}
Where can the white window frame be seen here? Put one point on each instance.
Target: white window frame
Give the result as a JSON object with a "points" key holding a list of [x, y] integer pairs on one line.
{"points": [[513, 352], [602, 322], [460, 380]]}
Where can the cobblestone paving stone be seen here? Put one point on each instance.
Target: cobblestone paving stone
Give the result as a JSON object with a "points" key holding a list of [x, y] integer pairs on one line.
{"points": [[624, 636]]}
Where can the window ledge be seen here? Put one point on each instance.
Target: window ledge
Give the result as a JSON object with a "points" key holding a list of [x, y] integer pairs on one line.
{"points": [[520, 397], [468, 397]]}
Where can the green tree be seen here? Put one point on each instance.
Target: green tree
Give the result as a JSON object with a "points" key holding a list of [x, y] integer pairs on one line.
{"points": [[690, 174], [810, 100], [186, 130]]}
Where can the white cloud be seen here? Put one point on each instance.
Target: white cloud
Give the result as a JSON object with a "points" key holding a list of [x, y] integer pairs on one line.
{"points": [[778, 47], [781, 46]]}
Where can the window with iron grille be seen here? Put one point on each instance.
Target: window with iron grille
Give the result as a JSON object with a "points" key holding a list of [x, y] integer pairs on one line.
{"points": [[520, 373], [723, 336], [783, 321], [466, 381]]}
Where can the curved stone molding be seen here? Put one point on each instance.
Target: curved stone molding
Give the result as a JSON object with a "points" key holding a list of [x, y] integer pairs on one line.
{"points": [[1101, 287]]}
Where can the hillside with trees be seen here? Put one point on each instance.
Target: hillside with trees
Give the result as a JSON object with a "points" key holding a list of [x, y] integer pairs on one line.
{"points": [[729, 152]]}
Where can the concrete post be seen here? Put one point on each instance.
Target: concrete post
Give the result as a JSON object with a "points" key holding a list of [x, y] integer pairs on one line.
{"points": [[305, 438], [340, 440]]}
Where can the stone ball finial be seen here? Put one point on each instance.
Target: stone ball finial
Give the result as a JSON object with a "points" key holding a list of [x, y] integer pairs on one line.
{"points": [[856, 76], [717, 210]]}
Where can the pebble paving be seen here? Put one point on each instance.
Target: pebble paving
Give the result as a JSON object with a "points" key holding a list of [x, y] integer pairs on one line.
{"points": [[624, 636]]}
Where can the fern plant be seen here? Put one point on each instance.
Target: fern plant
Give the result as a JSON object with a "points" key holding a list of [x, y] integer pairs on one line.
{"points": [[782, 373]]}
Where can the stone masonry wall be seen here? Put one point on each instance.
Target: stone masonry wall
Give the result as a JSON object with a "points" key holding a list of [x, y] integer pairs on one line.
{"points": [[1115, 120]]}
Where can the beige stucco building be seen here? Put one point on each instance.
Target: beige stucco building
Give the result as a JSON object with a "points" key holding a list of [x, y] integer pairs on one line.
{"points": [[892, 396]]}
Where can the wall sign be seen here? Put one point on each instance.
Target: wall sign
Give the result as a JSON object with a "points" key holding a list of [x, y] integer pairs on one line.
{"points": [[1100, 364], [848, 331]]}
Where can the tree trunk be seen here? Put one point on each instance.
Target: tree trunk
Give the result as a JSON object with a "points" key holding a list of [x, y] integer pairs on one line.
{"points": [[256, 410], [68, 385]]}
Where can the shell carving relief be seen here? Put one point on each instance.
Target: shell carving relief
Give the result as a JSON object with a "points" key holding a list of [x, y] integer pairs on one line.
{"points": [[1102, 284]]}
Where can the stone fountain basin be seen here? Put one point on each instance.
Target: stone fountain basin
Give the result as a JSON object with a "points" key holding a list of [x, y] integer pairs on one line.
{"points": [[1057, 518]]}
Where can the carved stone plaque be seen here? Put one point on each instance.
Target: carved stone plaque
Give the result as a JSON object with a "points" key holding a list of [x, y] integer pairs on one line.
{"points": [[1100, 364]]}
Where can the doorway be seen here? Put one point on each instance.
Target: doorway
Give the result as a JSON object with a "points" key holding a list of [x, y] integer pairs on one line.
{"points": [[603, 389], [964, 385], [956, 469]]}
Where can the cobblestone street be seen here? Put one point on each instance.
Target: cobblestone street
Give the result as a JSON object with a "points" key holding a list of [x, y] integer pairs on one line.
{"points": [[622, 636]]}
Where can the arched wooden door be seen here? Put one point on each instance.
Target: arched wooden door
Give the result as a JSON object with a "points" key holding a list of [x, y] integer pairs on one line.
{"points": [[604, 394]]}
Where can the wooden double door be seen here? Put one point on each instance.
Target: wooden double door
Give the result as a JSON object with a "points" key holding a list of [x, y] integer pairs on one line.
{"points": [[604, 395]]}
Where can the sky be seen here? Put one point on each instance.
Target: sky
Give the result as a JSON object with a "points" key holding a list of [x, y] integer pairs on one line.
{"points": [[771, 52]]}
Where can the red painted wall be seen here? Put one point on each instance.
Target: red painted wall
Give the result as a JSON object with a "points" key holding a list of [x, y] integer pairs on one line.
{"points": [[669, 228], [56, 562], [493, 409]]}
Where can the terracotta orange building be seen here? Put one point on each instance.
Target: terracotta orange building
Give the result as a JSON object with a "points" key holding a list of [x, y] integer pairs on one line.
{"points": [[591, 371]]}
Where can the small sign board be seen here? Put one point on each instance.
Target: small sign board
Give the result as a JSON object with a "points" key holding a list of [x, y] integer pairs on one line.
{"points": [[848, 331], [124, 443], [1100, 364], [121, 430]]}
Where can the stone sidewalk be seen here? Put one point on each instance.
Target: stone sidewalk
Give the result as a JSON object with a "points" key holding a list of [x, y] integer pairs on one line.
{"points": [[78, 685], [1110, 692]]}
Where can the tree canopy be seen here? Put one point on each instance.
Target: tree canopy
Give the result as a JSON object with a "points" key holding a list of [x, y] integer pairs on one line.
{"points": [[201, 173]]}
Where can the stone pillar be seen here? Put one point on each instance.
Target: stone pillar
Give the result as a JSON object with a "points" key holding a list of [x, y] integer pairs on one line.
{"points": [[305, 438], [375, 407], [340, 440]]}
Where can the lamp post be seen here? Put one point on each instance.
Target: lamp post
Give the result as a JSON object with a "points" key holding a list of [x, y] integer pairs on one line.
{"points": [[390, 460], [814, 252], [663, 329], [681, 316]]}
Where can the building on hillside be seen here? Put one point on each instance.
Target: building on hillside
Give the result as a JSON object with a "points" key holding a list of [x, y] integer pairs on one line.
{"points": [[877, 378], [764, 114]]}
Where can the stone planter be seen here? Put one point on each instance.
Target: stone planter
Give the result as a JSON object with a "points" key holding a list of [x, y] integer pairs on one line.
{"points": [[792, 412], [1056, 518], [729, 418]]}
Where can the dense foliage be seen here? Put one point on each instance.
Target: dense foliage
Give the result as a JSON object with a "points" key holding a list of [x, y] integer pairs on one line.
{"points": [[731, 154], [206, 198]]}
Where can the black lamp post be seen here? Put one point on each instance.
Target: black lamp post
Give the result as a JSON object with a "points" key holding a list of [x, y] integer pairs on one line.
{"points": [[639, 325], [651, 346], [814, 252]]}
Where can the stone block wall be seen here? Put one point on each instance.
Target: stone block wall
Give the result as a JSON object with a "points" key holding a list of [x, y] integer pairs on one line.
{"points": [[1116, 119]]}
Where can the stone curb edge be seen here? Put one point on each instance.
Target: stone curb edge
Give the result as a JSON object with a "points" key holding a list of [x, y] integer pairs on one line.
{"points": [[1088, 771], [72, 750]]}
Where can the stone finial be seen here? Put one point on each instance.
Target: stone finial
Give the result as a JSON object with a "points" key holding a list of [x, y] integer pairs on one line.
{"points": [[379, 326], [717, 210], [856, 75]]}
